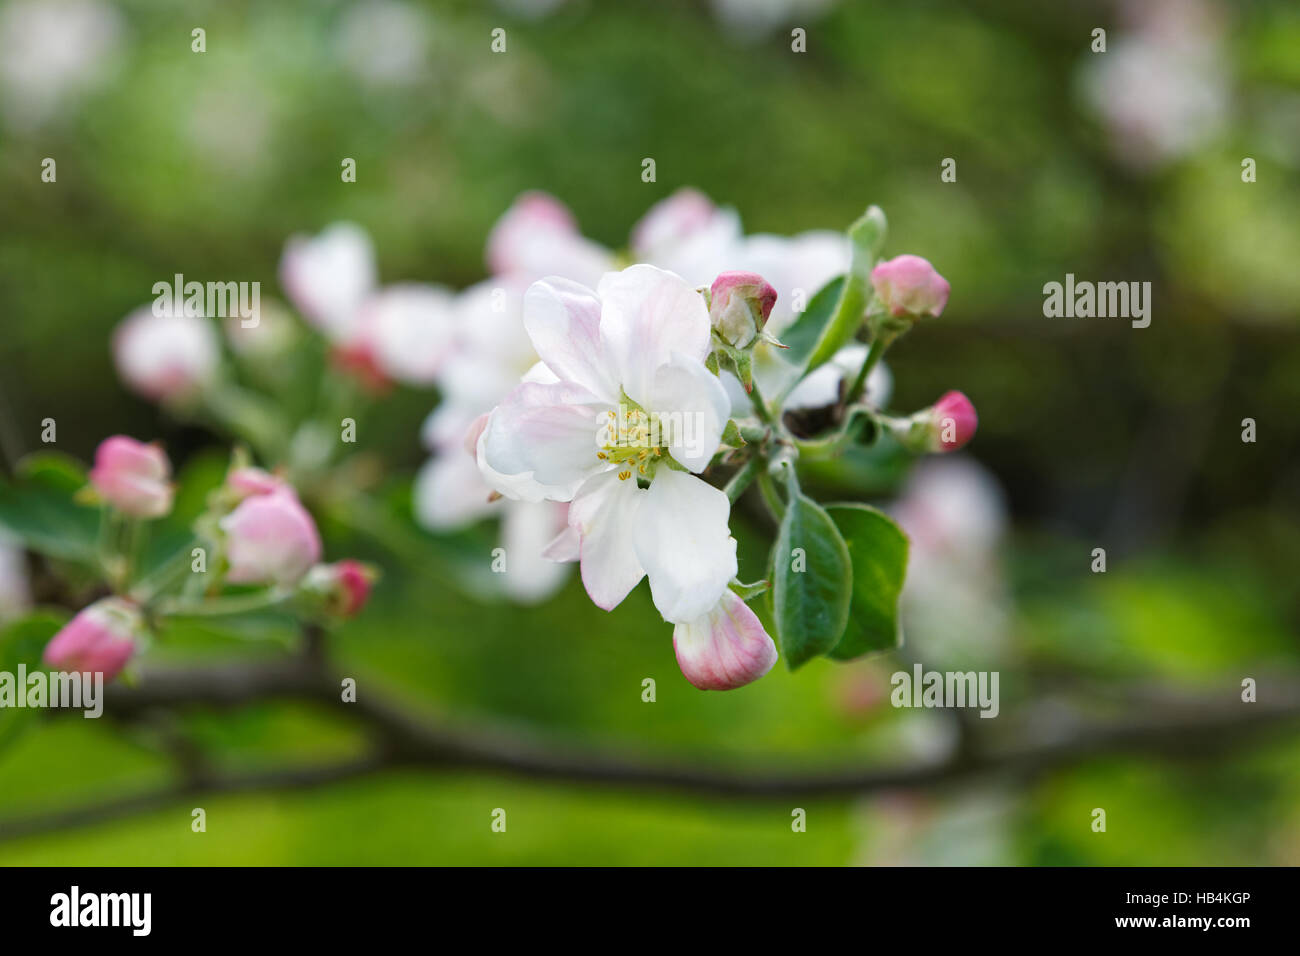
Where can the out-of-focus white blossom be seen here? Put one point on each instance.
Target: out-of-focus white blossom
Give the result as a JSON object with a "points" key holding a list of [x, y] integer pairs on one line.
{"points": [[53, 51]]}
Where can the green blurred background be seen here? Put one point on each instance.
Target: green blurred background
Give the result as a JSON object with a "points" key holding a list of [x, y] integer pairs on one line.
{"points": [[1098, 434]]}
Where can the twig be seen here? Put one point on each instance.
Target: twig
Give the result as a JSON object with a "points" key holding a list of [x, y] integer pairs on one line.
{"points": [[1188, 727]]}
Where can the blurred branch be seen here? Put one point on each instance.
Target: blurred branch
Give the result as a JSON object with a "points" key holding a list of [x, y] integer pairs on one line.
{"points": [[1048, 737]]}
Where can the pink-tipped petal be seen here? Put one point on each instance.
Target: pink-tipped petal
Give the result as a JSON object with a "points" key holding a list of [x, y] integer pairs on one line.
{"points": [[725, 648], [740, 303], [100, 639]]}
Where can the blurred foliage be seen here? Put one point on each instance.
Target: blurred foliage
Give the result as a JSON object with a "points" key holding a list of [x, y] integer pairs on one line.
{"points": [[203, 164]]}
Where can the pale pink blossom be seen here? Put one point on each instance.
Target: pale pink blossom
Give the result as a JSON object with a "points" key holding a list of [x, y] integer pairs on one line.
{"points": [[166, 357], [328, 276], [538, 237], [642, 336], [133, 477], [408, 329], [270, 539], [909, 285]]}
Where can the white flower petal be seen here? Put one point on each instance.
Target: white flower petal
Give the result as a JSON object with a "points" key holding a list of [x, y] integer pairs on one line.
{"points": [[693, 407], [563, 321], [328, 276], [565, 546], [724, 648], [410, 330], [450, 492], [646, 315], [683, 542], [526, 528], [605, 514], [544, 433]]}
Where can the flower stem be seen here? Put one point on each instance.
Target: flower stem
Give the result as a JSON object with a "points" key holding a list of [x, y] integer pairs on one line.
{"points": [[878, 346], [770, 496], [162, 576], [742, 479], [232, 604], [760, 406]]}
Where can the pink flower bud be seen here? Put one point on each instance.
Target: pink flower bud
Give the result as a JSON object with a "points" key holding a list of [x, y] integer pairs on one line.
{"points": [[740, 303], [725, 648], [270, 538], [908, 285], [165, 357], [133, 477], [100, 639], [249, 481], [358, 360], [953, 421], [345, 585]]}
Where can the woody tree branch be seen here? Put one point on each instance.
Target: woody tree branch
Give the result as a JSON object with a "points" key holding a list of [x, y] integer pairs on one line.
{"points": [[1163, 722]]}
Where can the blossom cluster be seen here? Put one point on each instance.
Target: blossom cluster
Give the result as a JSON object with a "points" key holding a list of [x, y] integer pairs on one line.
{"points": [[255, 530], [594, 399]]}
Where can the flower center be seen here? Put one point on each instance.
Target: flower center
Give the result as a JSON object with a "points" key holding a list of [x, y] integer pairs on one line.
{"points": [[634, 439]]}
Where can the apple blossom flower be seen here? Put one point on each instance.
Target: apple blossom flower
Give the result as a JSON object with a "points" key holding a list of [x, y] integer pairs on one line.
{"points": [[491, 354], [956, 607], [163, 356], [407, 329], [52, 52], [953, 422], [623, 391], [739, 305], [15, 592], [327, 277], [538, 236], [725, 648], [909, 285], [1160, 90], [821, 387], [345, 585], [385, 43], [270, 538], [100, 639], [689, 235], [133, 477]]}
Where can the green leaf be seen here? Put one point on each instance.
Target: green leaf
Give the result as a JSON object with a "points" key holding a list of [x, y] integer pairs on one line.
{"points": [[22, 642], [866, 237], [878, 549], [812, 578], [38, 507], [731, 435], [802, 336]]}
